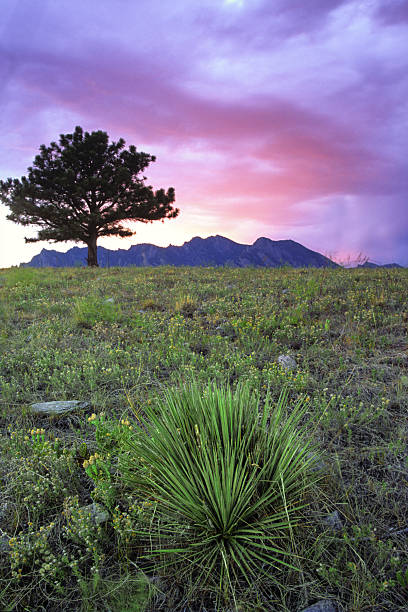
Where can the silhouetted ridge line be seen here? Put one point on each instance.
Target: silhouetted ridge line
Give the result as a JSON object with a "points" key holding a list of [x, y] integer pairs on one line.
{"points": [[212, 251]]}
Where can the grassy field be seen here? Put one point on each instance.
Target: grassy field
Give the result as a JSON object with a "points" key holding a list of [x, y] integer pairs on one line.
{"points": [[122, 340]]}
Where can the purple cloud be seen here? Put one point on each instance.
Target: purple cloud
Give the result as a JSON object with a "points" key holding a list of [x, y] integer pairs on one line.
{"points": [[276, 118]]}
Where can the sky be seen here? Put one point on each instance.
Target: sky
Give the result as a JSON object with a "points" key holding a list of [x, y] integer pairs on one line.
{"points": [[276, 118]]}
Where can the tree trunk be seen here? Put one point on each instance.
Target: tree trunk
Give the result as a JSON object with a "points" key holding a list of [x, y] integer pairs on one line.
{"points": [[92, 252]]}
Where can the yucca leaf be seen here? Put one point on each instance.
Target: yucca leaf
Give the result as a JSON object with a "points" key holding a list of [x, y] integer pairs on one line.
{"points": [[214, 462]]}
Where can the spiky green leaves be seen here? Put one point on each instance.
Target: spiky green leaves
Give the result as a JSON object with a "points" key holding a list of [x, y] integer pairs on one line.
{"points": [[227, 479]]}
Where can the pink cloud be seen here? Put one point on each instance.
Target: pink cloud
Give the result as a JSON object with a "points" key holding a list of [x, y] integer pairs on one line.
{"points": [[258, 117]]}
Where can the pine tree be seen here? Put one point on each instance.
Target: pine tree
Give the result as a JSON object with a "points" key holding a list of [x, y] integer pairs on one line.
{"points": [[84, 188]]}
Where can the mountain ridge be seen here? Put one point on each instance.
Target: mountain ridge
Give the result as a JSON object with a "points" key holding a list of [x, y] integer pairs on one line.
{"points": [[371, 264], [212, 251]]}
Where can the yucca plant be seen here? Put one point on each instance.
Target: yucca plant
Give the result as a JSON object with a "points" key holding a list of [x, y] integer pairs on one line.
{"points": [[226, 479]]}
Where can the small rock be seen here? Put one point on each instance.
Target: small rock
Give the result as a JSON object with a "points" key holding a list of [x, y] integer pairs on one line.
{"points": [[57, 408], [285, 291], [110, 300], [318, 464], [325, 605], [226, 331], [4, 515], [399, 532], [287, 362], [333, 521], [4, 542], [97, 513]]}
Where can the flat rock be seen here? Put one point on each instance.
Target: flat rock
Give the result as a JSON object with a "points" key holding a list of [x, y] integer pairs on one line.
{"points": [[97, 512], [325, 605], [57, 408], [287, 362]]}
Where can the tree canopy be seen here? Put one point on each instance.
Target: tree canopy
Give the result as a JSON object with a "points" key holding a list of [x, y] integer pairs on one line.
{"points": [[84, 187]]}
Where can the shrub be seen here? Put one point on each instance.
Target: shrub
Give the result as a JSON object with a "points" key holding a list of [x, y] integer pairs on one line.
{"points": [[226, 481]]}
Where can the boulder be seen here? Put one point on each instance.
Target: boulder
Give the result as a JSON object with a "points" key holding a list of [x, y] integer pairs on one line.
{"points": [[57, 408]]}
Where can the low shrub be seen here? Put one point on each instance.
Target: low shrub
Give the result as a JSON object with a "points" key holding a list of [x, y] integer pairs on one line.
{"points": [[226, 479]]}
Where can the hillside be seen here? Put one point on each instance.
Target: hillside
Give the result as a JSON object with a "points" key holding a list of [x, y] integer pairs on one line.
{"points": [[77, 534]]}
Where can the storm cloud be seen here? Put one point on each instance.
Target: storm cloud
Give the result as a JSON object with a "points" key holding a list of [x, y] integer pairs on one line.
{"points": [[270, 118]]}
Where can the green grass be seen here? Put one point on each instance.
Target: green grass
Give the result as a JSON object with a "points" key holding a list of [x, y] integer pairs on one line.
{"points": [[165, 330]]}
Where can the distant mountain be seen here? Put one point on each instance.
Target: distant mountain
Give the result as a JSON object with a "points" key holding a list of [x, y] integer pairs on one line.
{"points": [[370, 264], [212, 251]]}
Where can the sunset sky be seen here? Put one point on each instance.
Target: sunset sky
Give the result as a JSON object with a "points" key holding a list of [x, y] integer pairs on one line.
{"points": [[276, 118]]}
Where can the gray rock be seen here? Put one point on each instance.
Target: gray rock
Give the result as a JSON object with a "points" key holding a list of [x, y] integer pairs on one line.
{"points": [[224, 331], [4, 515], [318, 464], [399, 532], [333, 521], [97, 512], [110, 300], [287, 362], [325, 605], [4, 542], [57, 408]]}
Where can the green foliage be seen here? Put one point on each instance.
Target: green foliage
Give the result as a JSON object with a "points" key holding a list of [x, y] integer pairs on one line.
{"points": [[91, 310], [83, 188], [227, 479], [44, 471], [99, 467], [126, 593], [402, 578], [347, 331], [21, 276]]}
